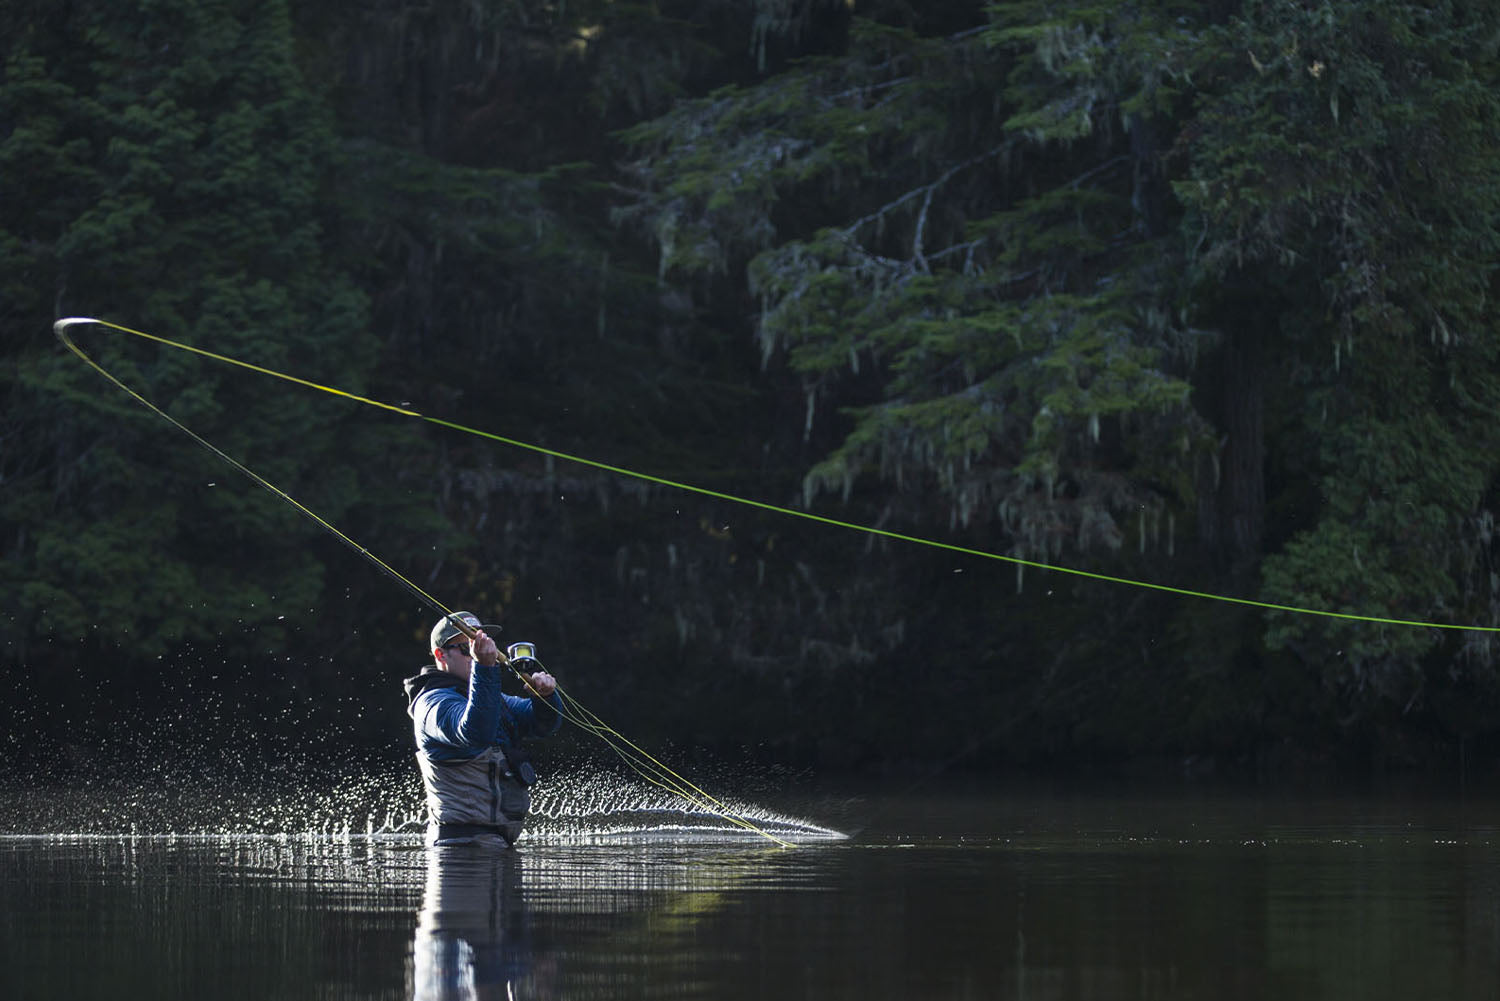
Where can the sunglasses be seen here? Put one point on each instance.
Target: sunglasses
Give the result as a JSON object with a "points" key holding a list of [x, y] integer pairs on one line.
{"points": [[460, 647]]}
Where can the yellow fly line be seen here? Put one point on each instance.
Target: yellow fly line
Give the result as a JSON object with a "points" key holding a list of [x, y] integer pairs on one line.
{"points": [[648, 767], [61, 326]]}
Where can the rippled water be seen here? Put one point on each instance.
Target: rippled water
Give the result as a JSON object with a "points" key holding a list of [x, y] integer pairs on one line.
{"points": [[989, 892]]}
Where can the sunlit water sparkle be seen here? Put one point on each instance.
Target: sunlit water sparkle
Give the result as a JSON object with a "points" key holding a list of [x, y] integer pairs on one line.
{"points": [[581, 804]]}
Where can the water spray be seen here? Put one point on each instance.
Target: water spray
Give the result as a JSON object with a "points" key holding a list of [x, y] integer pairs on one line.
{"points": [[645, 765]]}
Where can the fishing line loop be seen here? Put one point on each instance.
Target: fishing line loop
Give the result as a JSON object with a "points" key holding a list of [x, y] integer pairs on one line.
{"points": [[60, 328], [648, 767]]}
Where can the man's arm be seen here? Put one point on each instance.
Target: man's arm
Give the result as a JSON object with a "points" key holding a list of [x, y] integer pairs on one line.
{"points": [[536, 717], [445, 716]]}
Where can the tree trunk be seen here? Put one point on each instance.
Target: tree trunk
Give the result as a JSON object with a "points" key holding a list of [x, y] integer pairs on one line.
{"points": [[1232, 498]]}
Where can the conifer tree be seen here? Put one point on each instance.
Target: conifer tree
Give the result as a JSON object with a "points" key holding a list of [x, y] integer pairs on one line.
{"points": [[1085, 270], [977, 218], [1343, 174], [165, 167]]}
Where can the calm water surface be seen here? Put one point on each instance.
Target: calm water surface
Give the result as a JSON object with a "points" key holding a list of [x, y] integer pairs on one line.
{"points": [[984, 894]]}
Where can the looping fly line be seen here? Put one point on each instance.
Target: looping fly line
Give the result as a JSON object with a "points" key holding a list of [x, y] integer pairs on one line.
{"points": [[642, 763], [60, 328]]}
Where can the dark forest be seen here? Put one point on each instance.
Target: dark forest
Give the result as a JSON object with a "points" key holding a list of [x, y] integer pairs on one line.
{"points": [[1195, 294]]}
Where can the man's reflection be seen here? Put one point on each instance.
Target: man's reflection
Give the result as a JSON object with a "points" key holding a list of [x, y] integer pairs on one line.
{"points": [[473, 938]]}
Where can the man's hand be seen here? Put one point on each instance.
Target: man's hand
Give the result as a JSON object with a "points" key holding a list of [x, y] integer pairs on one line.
{"points": [[484, 650], [541, 684]]}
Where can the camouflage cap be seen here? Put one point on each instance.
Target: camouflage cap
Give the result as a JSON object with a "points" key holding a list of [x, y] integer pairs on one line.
{"points": [[445, 630]]}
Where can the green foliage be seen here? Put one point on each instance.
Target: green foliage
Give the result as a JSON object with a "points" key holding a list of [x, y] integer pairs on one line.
{"points": [[170, 172], [1001, 251], [1354, 146], [988, 264], [1085, 282]]}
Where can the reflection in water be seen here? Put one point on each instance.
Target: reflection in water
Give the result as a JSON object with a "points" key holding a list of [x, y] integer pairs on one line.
{"points": [[171, 918], [473, 937], [484, 933], [1003, 898]]}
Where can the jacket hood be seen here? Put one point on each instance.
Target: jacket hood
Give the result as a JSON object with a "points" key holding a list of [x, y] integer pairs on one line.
{"points": [[429, 677]]}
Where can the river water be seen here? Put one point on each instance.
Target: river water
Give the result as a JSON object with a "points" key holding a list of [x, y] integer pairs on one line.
{"points": [[980, 892]]}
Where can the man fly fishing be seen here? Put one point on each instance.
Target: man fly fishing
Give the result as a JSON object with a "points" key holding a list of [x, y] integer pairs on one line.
{"points": [[475, 771]]}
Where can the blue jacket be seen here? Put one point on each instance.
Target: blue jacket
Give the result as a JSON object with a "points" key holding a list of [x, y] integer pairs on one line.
{"points": [[454, 722]]}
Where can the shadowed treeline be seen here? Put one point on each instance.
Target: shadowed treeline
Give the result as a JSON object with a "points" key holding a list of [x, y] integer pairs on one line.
{"points": [[1188, 293]]}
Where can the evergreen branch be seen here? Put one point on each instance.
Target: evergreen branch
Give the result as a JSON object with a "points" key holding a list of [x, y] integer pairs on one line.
{"points": [[925, 190], [867, 89], [1106, 165], [916, 243], [968, 245]]}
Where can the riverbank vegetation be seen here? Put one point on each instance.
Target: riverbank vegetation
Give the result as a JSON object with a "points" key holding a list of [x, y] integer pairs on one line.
{"points": [[1190, 293]]}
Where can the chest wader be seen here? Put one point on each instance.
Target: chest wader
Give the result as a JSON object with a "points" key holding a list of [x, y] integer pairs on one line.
{"points": [[477, 796]]}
